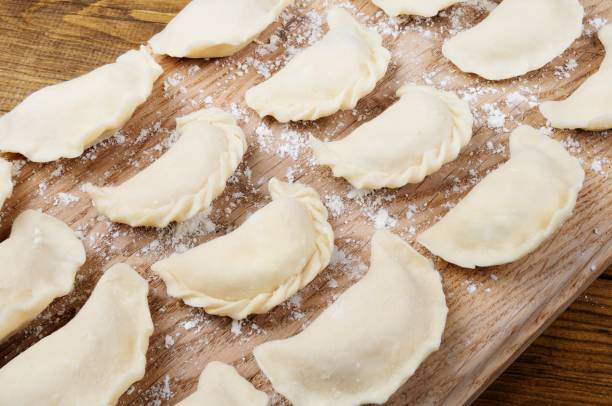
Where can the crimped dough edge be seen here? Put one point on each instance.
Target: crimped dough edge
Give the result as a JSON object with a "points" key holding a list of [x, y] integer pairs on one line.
{"points": [[347, 99], [189, 205], [209, 49], [523, 137], [431, 161], [263, 302], [69, 254]]}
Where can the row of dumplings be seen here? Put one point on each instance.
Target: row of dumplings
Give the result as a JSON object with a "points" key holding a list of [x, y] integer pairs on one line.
{"points": [[291, 236], [335, 360], [276, 252], [331, 75]]}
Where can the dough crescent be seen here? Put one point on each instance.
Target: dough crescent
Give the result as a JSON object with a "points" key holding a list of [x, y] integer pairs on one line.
{"points": [[39, 262], [94, 358], [273, 254], [513, 209], [221, 385], [216, 28], [329, 76], [370, 341], [6, 181], [590, 106], [74, 115], [518, 36], [182, 182], [413, 138], [423, 8]]}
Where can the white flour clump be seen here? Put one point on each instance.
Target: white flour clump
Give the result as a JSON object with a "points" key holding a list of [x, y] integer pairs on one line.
{"points": [[496, 118], [335, 205], [65, 199], [597, 166]]}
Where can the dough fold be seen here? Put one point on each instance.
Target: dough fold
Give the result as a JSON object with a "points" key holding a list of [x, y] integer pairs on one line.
{"points": [[513, 209], [518, 36], [413, 138], [590, 106], [273, 254], [216, 28], [221, 385], [39, 262], [6, 181], [62, 120], [94, 358], [368, 343], [182, 182], [423, 8], [329, 76]]}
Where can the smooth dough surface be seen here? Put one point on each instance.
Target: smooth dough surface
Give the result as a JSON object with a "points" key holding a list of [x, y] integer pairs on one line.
{"points": [[39, 262], [62, 120], [424, 8], [514, 208], [216, 28], [413, 138], [517, 37], [370, 341], [6, 181], [94, 358], [273, 254], [590, 106], [182, 182], [221, 385], [329, 76]]}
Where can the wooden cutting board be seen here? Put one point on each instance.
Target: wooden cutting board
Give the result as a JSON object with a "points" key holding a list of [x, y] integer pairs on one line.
{"points": [[494, 312]]}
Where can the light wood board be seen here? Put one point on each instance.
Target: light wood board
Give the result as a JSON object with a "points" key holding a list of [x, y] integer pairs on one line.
{"points": [[494, 312]]}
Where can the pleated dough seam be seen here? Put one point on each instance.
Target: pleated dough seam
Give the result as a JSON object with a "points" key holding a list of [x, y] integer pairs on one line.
{"points": [[262, 302], [349, 97], [186, 206], [431, 161]]}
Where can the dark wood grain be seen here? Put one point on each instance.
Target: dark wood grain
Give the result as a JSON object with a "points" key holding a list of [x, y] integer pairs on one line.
{"points": [[570, 363], [46, 41]]}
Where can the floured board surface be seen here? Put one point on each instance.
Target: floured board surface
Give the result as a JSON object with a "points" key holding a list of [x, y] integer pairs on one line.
{"points": [[494, 312]]}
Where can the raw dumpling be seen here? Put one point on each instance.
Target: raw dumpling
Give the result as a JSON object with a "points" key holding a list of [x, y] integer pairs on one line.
{"points": [[331, 75], [94, 358], [220, 385], [424, 8], [39, 261], [183, 181], [413, 138], [590, 106], [216, 28], [370, 341], [6, 181], [517, 37], [62, 120], [512, 210], [276, 252]]}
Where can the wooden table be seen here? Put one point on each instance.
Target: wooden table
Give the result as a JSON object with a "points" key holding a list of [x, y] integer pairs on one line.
{"points": [[43, 42]]}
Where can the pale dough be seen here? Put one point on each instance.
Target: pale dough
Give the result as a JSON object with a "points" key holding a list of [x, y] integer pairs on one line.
{"points": [[590, 106], [221, 385], [370, 341], [62, 120], [6, 181], [273, 254], [424, 8], [182, 182], [94, 358], [39, 261], [413, 138], [514, 208], [517, 37], [329, 76], [216, 28]]}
